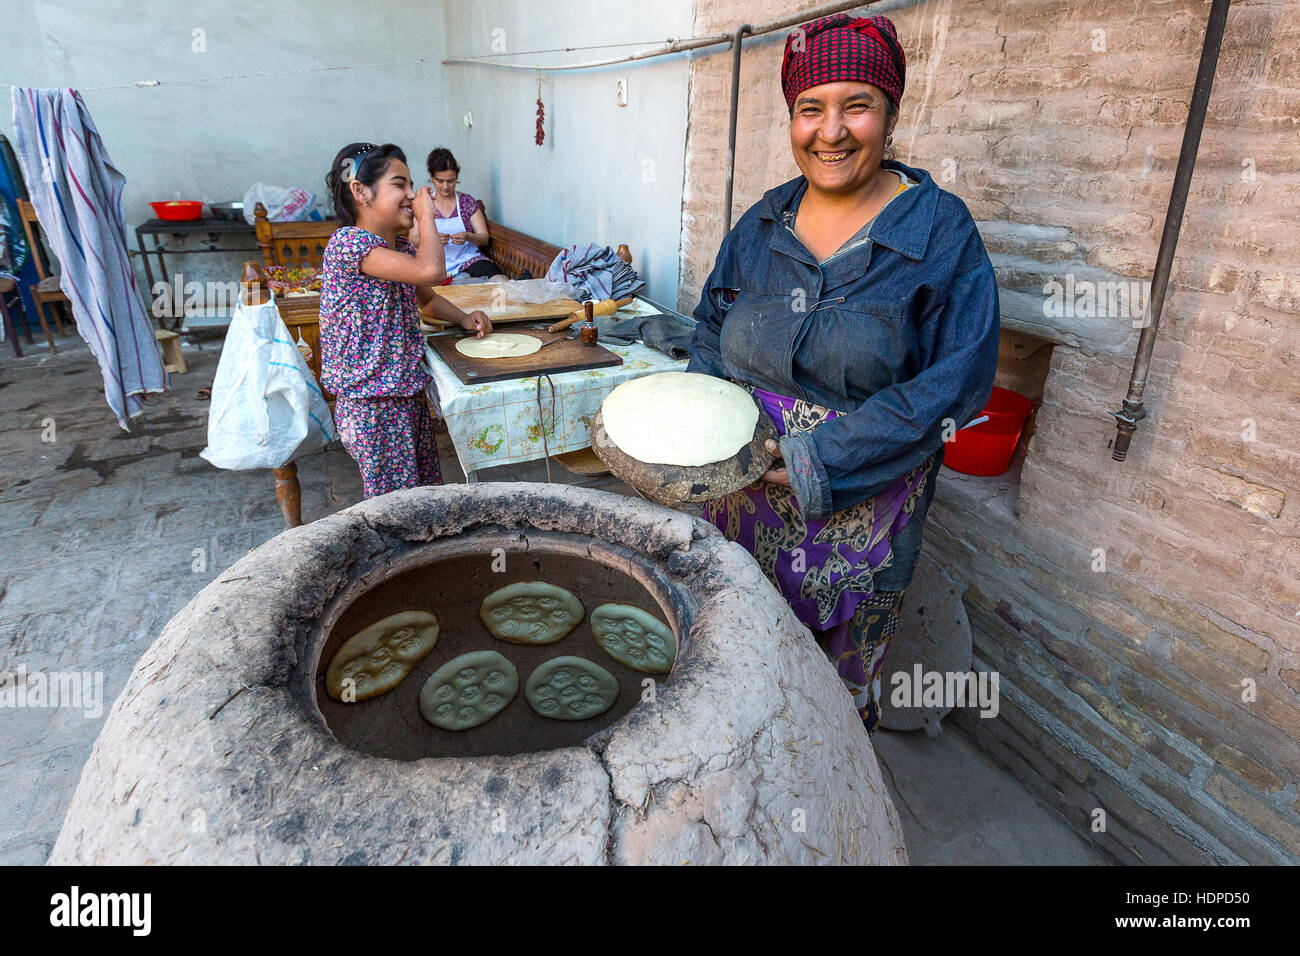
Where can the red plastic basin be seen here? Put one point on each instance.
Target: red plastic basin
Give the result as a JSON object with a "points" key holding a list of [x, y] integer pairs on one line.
{"points": [[177, 210], [986, 449]]}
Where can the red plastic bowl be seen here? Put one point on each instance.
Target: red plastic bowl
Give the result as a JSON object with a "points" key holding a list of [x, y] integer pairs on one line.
{"points": [[986, 449], [178, 210]]}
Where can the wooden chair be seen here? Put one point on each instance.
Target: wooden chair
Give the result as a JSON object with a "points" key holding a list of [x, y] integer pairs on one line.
{"points": [[7, 286], [47, 291], [297, 245]]}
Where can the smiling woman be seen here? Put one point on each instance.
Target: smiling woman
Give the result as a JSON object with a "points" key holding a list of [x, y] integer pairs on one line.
{"points": [[858, 305], [839, 133]]}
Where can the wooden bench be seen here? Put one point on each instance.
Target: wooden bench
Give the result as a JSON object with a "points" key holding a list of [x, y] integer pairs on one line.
{"points": [[516, 253]]}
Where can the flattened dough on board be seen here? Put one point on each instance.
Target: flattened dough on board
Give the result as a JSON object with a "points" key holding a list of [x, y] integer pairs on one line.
{"points": [[380, 656], [531, 612], [468, 690], [570, 688], [635, 638], [498, 345]]}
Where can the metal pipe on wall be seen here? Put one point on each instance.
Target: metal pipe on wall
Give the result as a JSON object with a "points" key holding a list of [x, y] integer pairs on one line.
{"points": [[1134, 410], [668, 49], [731, 125]]}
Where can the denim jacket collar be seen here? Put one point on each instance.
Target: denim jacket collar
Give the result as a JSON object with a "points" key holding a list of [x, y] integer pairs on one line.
{"points": [[904, 225]]}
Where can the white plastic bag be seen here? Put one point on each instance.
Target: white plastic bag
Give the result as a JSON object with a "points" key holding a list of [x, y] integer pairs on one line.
{"points": [[282, 205], [534, 291], [267, 409]]}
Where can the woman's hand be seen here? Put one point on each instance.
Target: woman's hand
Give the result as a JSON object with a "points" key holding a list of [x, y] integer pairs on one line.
{"points": [[477, 322], [458, 238], [776, 476], [443, 237]]}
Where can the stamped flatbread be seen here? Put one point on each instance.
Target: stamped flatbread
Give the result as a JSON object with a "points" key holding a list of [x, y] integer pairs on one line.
{"points": [[634, 638], [468, 690], [531, 612], [570, 688], [376, 659]]}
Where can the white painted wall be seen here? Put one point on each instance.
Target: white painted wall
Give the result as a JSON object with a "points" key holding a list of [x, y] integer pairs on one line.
{"points": [[212, 140], [606, 173]]}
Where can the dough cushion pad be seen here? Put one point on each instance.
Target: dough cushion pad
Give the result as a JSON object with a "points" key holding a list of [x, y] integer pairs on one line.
{"points": [[682, 436], [570, 688], [530, 612], [468, 690], [634, 638], [379, 657]]}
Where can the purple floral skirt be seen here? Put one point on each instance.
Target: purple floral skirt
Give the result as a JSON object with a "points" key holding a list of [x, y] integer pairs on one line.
{"points": [[822, 567], [392, 441]]}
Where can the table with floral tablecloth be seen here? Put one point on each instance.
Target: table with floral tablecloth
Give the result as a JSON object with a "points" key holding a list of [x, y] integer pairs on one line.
{"points": [[497, 423]]}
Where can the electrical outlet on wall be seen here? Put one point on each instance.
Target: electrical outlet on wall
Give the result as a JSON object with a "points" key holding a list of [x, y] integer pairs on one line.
{"points": [[622, 91]]}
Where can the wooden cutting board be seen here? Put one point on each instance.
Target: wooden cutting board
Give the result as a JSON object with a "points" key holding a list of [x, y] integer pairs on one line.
{"points": [[567, 356], [481, 295]]}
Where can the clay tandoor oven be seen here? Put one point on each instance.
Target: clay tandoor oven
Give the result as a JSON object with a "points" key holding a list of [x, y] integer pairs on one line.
{"points": [[225, 748]]}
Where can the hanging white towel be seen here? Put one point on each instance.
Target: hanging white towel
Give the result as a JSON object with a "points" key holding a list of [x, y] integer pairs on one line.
{"points": [[77, 193]]}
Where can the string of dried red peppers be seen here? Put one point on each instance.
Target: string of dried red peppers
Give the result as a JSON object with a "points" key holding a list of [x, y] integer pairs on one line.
{"points": [[541, 116]]}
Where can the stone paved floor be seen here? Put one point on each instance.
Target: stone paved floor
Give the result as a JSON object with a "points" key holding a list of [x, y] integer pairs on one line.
{"points": [[107, 534], [958, 807]]}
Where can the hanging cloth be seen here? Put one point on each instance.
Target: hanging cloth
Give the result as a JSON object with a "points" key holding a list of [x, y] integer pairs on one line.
{"points": [[77, 193]]}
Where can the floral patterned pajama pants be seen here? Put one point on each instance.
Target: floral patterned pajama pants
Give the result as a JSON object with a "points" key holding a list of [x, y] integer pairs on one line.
{"points": [[392, 441], [858, 646]]}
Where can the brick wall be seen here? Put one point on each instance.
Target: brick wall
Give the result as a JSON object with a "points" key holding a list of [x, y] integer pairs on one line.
{"points": [[1164, 689]]}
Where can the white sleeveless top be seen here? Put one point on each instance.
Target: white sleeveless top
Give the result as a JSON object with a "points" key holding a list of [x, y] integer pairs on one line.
{"points": [[458, 257]]}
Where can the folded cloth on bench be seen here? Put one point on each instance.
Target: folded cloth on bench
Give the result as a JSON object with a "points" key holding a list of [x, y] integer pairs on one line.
{"points": [[594, 272]]}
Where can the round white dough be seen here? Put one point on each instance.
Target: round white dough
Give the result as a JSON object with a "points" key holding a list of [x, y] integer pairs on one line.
{"points": [[679, 418], [498, 345]]}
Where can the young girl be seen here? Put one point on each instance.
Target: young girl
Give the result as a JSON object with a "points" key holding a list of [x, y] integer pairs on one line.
{"points": [[373, 283]]}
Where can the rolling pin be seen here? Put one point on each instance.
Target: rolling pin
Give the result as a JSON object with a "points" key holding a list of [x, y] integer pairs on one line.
{"points": [[605, 307]]}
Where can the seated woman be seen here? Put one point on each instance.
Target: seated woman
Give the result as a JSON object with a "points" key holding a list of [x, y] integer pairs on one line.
{"points": [[461, 223], [857, 303]]}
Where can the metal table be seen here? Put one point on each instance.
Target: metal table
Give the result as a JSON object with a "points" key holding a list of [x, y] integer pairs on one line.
{"points": [[215, 229]]}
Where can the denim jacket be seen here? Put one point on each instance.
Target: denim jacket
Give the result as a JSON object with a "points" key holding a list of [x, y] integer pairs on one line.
{"points": [[899, 333]]}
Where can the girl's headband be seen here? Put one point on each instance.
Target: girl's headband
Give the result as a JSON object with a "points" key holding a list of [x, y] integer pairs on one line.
{"points": [[353, 163]]}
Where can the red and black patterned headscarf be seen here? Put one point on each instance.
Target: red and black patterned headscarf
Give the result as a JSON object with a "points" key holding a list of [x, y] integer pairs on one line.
{"points": [[841, 47]]}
